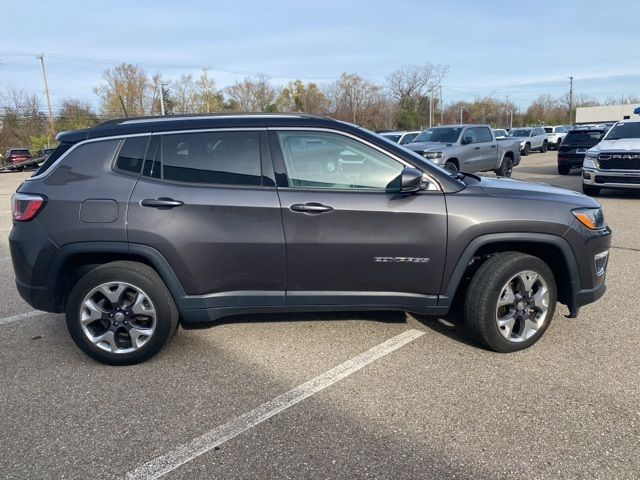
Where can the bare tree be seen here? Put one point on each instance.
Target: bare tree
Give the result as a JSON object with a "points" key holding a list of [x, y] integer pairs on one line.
{"points": [[75, 114], [356, 100], [410, 85], [298, 97], [21, 119], [253, 94], [126, 91], [196, 96]]}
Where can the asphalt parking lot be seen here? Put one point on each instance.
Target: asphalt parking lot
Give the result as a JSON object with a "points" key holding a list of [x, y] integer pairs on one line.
{"points": [[433, 406]]}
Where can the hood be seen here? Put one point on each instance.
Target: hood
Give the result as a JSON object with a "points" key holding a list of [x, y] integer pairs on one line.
{"points": [[509, 188], [428, 146], [624, 144]]}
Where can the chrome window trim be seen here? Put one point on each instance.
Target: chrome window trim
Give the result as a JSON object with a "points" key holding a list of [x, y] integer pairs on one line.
{"points": [[363, 141], [55, 164]]}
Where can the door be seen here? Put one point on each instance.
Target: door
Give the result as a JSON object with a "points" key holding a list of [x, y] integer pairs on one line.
{"points": [[352, 238], [488, 148], [471, 158], [203, 203]]}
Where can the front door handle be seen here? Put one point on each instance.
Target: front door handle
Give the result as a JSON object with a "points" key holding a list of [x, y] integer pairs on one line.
{"points": [[477, 148], [311, 207], [161, 202]]}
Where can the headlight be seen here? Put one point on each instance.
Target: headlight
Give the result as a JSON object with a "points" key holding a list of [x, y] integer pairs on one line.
{"points": [[590, 160], [432, 155], [522, 144], [592, 218]]}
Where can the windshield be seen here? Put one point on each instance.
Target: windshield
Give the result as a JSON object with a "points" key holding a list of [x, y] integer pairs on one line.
{"points": [[588, 137], [519, 132], [19, 152], [391, 136], [441, 134], [624, 130]]}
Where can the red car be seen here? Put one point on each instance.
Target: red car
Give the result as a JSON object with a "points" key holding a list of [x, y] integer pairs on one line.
{"points": [[17, 155]]}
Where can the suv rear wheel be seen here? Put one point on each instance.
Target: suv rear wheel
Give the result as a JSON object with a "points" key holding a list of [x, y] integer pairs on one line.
{"points": [[564, 169], [510, 301], [121, 313]]}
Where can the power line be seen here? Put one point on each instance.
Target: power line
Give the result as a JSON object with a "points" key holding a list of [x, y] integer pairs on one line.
{"points": [[218, 68]]}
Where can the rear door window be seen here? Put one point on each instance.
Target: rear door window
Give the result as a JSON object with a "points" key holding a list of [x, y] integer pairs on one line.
{"points": [[131, 154], [224, 158]]}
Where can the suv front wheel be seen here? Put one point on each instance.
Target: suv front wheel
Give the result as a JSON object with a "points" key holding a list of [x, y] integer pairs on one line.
{"points": [[121, 313], [510, 301]]}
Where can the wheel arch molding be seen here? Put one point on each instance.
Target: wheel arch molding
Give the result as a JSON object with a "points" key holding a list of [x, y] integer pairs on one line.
{"points": [[71, 261], [552, 249]]}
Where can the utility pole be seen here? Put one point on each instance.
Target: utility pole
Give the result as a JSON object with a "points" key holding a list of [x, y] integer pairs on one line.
{"points": [[161, 98], [206, 88], [46, 92], [511, 121], [431, 108], [570, 98], [441, 107], [461, 116]]}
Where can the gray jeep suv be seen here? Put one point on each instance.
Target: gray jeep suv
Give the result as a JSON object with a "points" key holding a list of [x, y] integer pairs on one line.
{"points": [[137, 225]]}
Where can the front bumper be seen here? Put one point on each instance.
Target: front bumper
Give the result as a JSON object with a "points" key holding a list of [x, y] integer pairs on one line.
{"points": [[611, 178]]}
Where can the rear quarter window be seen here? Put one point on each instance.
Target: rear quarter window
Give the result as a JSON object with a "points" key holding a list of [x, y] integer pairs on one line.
{"points": [[86, 159]]}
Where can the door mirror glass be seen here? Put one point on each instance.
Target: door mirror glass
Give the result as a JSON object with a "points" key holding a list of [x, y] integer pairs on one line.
{"points": [[411, 180], [466, 140]]}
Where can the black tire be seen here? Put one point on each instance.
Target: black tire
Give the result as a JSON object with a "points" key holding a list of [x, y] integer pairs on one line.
{"points": [[506, 168], [485, 290], [526, 150], [451, 166], [143, 277], [590, 190], [544, 147], [564, 169]]}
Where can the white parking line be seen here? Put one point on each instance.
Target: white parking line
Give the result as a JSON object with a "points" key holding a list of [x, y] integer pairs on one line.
{"points": [[21, 316], [168, 462], [6, 211]]}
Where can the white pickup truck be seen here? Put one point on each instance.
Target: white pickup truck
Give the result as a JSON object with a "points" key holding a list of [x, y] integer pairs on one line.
{"points": [[615, 161], [467, 148]]}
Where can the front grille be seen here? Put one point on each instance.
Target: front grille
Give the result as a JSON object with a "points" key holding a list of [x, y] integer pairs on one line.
{"points": [[606, 179], [619, 161]]}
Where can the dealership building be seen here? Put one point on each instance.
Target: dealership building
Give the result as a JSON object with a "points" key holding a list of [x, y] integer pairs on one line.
{"points": [[608, 113]]}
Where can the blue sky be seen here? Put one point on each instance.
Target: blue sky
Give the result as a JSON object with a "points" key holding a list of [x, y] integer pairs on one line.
{"points": [[495, 48]]}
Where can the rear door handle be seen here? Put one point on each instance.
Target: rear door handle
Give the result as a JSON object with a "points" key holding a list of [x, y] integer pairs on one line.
{"points": [[311, 207], [477, 148], [161, 202], [493, 146]]}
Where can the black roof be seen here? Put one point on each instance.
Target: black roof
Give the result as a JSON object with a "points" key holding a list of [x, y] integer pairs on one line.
{"points": [[125, 126]]}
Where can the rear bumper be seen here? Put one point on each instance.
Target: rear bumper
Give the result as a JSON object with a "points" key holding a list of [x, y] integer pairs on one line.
{"points": [[39, 297], [570, 161], [611, 178], [31, 254]]}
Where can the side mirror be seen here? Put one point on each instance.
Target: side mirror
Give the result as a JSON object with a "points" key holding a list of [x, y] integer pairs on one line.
{"points": [[411, 180], [466, 140]]}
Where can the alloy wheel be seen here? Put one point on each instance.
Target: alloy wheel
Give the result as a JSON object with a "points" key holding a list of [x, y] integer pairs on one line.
{"points": [[118, 317], [523, 306]]}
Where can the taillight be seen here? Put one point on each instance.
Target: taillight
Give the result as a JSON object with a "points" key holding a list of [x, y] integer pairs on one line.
{"points": [[26, 206]]}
